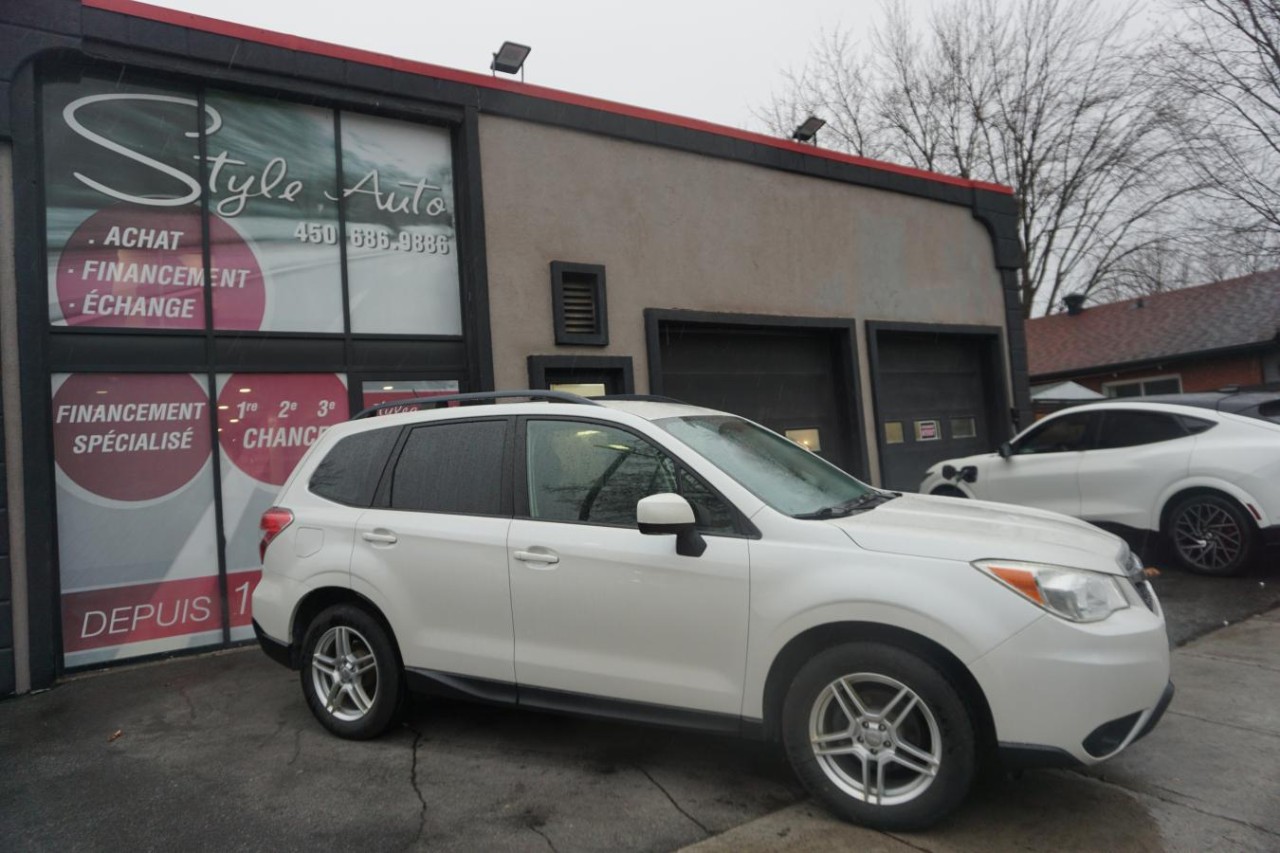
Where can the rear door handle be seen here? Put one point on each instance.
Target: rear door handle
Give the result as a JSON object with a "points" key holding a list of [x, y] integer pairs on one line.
{"points": [[544, 556], [380, 536]]}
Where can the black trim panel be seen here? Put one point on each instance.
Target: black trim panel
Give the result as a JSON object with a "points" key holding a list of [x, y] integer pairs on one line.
{"points": [[433, 683], [1029, 756], [281, 653]]}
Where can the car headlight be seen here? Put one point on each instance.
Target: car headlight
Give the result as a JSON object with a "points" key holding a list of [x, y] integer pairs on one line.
{"points": [[1073, 594]]}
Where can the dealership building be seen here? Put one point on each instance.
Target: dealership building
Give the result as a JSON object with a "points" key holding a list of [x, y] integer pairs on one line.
{"points": [[216, 241]]}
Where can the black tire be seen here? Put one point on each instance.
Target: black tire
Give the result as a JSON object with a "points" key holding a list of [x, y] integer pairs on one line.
{"points": [[1211, 535], [359, 694], [937, 726]]}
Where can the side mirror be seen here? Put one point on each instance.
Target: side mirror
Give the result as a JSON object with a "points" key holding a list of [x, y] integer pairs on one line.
{"points": [[667, 514], [1006, 450]]}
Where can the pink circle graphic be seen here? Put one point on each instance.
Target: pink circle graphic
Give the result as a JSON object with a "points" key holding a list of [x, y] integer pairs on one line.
{"points": [[267, 421], [131, 438], [136, 267]]}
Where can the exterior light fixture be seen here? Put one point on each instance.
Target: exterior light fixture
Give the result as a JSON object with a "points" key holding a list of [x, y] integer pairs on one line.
{"points": [[808, 130], [510, 58]]}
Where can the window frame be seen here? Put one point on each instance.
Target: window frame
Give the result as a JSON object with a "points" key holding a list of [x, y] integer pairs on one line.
{"points": [[382, 495], [743, 528], [1141, 383]]}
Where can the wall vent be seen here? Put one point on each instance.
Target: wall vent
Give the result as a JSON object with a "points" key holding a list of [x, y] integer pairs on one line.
{"points": [[577, 292]]}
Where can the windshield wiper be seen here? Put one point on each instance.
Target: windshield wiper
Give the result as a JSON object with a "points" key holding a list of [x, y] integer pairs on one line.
{"points": [[863, 502]]}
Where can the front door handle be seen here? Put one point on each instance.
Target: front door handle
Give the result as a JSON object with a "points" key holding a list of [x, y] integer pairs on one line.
{"points": [[380, 536], [544, 556]]}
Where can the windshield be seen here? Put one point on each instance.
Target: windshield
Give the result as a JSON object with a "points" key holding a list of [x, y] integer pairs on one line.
{"points": [[779, 472]]}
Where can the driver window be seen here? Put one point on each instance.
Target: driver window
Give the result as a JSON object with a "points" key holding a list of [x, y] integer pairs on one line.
{"points": [[1060, 435], [594, 473]]}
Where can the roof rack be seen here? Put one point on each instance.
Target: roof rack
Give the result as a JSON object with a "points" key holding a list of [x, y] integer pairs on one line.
{"points": [[643, 398], [477, 397]]}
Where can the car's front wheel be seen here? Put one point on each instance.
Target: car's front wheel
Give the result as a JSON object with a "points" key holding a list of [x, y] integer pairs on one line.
{"points": [[350, 673], [879, 735], [1211, 534]]}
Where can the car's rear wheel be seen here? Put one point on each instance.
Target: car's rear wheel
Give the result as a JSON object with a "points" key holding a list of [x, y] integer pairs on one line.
{"points": [[879, 735], [350, 673], [1211, 535]]}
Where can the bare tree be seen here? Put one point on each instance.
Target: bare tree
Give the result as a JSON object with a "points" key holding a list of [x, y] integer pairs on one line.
{"points": [[1223, 71], [1047, 96]]}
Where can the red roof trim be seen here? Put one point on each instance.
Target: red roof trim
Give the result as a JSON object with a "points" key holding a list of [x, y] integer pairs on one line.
{"points": [[306, 45]]}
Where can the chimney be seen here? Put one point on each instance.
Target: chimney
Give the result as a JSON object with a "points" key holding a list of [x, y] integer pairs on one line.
{"points": [[1074, 303]]}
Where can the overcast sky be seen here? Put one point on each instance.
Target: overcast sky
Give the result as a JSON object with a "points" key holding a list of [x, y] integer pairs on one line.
{"points": [[708, 59]]}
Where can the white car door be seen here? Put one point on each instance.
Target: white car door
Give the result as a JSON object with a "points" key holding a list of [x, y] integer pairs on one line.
{"points": [[1041, 471], [434, 559], [1137, 456], [602, 610]]}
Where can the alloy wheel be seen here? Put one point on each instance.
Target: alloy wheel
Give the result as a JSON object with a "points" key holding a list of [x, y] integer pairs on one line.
{"points": [[1208, 537], [875, 739], [344, 673]]}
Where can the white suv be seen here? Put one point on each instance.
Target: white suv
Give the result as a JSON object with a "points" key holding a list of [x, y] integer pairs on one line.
{"points": [[1200, 470], [645, 560]]}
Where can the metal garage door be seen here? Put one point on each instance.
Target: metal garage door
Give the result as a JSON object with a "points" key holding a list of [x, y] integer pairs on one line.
{"points": [[933, 401], [791, 380]]}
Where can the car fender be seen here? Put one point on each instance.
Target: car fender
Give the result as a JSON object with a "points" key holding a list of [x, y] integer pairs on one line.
{"points": [[935, 480], [949, 604], [1217, 484]]}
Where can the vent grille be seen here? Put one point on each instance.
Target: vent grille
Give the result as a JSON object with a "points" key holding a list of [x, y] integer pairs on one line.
{"points": [[581, 312]]}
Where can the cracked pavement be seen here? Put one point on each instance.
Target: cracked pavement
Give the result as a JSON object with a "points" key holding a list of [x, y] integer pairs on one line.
{"points": [[220, 752]]}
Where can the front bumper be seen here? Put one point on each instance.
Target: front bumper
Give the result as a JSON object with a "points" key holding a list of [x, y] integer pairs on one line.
{"points": [[1063, 693]]}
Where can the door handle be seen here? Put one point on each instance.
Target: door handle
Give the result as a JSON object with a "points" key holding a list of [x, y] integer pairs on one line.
{"points": [[379, 537], [546, 557]]}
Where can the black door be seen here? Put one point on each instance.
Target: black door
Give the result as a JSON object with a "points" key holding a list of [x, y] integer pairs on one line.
{"points": [[934, 400], [792, 380]]}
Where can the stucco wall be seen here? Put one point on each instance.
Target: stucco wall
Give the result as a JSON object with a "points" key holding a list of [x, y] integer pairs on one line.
{"points": [[678, 230]]}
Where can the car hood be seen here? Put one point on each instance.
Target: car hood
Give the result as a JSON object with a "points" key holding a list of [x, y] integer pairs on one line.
{"points": [[968, 530]]}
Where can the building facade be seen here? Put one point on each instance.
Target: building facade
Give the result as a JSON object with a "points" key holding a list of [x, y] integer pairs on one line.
{"points": [[217, 241]]}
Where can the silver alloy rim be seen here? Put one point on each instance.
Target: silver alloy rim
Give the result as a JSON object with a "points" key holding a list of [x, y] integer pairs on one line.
{"points": [[1207, 536], [875, 738], [344, 673]]}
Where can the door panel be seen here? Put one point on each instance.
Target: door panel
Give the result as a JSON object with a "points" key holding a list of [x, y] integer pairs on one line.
{"points": [[442, 584], [1044, 481], [622, 615]]}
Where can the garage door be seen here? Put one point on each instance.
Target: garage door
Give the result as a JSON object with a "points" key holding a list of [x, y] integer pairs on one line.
{"points": [[791, 380], [933, 401]]}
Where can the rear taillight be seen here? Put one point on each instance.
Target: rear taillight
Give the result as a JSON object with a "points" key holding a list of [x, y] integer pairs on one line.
{"points": [[273, 523]]}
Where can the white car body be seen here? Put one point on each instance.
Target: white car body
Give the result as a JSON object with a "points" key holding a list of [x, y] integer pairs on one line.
{"points": [[619, 624], [1133, 488]]}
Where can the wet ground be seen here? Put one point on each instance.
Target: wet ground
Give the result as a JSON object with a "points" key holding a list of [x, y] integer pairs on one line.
{"points": [[219, 752]]}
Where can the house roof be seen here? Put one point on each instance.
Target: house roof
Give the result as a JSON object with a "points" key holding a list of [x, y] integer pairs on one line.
{"points": [[1238, 312]]}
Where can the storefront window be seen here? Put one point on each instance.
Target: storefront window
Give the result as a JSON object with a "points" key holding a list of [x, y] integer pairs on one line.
{"points": [[391, 390], [402, 254], [136, 533], [274, 230], [266, 422], [122, 206]]}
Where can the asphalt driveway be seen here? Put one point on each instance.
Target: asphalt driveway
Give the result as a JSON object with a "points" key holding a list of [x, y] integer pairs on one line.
{"points": [[220, 752]]}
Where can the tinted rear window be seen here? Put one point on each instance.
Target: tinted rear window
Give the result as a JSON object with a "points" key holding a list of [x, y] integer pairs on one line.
{"points": [[1129, 429], [350, 473], [452, 467]]}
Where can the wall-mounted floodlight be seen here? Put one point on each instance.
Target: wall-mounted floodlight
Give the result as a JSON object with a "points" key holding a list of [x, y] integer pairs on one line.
{"points": [[808, 130], [510, 58]]}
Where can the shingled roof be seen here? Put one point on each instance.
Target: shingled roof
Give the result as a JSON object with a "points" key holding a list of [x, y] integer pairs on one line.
{"points": [[1223, 315]]}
